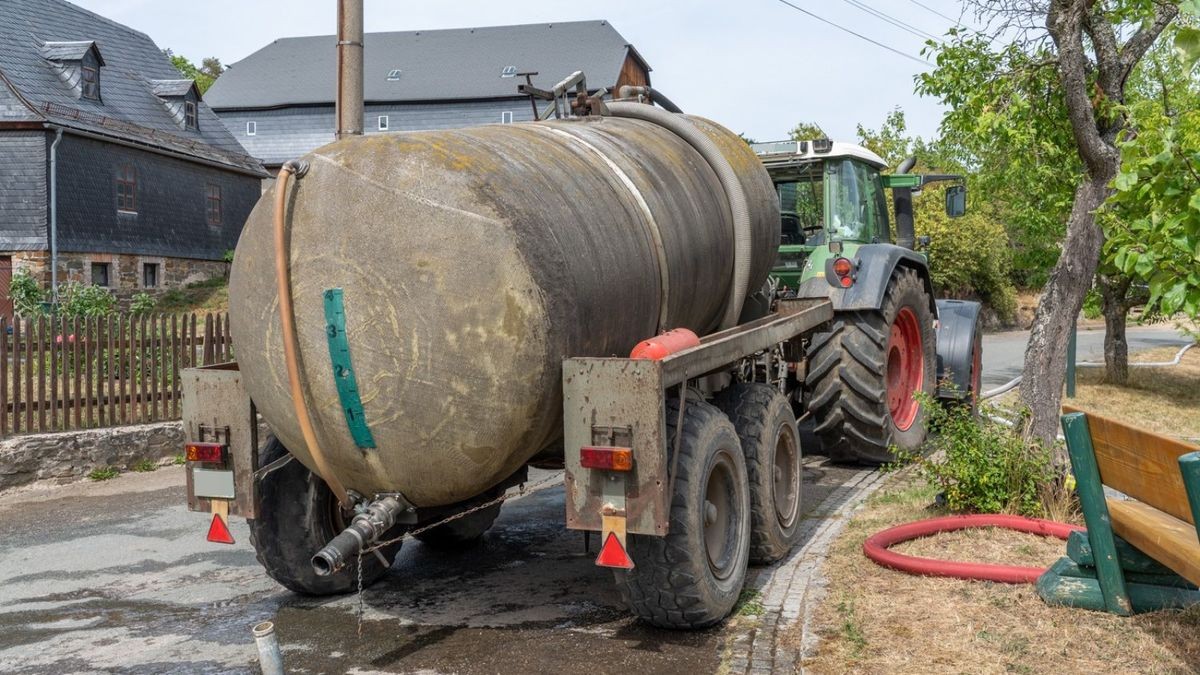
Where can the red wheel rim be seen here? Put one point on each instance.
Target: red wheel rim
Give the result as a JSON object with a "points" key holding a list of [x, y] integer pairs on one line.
{"points": [[905, 368]]}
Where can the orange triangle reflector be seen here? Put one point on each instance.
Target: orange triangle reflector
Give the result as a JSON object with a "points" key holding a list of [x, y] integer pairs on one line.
{"points": [[219, 532], [613, 554]]}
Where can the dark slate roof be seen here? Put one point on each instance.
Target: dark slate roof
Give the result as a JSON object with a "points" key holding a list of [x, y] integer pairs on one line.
{"points": [[434, 65], [128, 110]]}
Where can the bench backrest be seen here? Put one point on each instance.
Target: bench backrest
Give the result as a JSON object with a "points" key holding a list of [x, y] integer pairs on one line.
{"points": [[1141, 464]]}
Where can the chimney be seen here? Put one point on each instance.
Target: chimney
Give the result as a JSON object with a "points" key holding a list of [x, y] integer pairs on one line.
{"points": [[350, 68]]}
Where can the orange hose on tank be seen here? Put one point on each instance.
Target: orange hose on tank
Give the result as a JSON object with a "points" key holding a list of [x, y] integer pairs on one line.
{"points": [[287, 322]]}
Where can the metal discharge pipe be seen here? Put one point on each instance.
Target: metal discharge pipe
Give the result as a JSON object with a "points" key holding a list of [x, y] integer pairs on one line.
{"points": [[730, 183], [365, 529], [350, 68], [472, 262]]}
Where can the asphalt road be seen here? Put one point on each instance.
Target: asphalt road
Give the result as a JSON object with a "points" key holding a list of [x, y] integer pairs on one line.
{"points": [[1004, 353], [117, 577]]}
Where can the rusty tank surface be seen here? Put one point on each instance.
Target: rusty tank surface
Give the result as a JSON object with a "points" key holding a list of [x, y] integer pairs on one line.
{"points": [[472, 262]]}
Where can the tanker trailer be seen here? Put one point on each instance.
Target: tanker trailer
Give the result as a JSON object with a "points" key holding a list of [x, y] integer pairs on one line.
{"points": [[419, 316]]}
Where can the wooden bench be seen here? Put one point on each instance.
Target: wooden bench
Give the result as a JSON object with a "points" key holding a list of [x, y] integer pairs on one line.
{"points": [[1138, 554]]}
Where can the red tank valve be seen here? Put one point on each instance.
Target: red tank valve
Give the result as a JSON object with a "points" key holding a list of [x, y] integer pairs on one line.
{"points": [[661, 346]]}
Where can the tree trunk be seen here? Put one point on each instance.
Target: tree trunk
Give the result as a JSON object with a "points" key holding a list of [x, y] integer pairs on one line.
{"points": [[1114, 292], [1062, 299]]}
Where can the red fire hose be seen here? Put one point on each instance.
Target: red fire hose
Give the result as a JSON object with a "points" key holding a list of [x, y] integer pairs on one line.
{"points": [[877, 547]]}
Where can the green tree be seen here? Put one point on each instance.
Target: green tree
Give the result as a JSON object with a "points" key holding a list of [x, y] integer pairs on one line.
{"points": [[209, 70], [1063, 74], [806, 131]]}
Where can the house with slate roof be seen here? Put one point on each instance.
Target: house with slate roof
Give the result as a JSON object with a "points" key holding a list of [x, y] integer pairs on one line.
{"points": [[279, 101], [109, 156]]}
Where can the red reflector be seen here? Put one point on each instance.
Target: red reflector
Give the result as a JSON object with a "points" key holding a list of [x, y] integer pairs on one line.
{"points": [[612, 554], [612, 459], [219, 532], [846, 282], [204, 452]]}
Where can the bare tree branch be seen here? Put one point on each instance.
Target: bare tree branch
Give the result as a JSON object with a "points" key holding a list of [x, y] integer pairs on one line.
{"points": [[1136, 46]]}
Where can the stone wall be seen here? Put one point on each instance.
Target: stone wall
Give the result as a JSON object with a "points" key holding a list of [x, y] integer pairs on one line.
{"points": [[70, 456], [127, 273]]}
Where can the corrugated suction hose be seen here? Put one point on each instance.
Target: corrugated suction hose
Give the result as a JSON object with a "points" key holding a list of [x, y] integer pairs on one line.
{"points": [[730, 183], [287, 320]]}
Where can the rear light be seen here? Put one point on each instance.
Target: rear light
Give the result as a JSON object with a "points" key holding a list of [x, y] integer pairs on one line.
{"points": [[611, 459], [844, 269], [204, 452]]}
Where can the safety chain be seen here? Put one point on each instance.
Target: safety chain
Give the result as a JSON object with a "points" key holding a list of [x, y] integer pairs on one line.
{"points": [[522, 490]]}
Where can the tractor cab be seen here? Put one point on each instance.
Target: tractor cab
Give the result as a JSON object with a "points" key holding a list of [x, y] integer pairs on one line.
{"points": [[833, 196]]}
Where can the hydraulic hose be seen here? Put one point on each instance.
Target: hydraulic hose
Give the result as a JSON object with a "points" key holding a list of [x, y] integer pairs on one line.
{"points": [[287, 320], [877, 547], [630, 91], [730, 183]]}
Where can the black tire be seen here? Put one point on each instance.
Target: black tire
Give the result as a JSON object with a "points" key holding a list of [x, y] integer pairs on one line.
{"points": [[847, 376], [675, 583], [466, 531], [297, 515], [770, 441]]}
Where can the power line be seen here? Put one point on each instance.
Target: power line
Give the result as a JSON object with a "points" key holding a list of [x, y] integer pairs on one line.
{"points": [[930, 9], [857, 35], [892, 20]]}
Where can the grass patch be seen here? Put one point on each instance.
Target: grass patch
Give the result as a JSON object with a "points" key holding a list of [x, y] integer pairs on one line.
{"points": [[179, 460], [104, 473], [144, 466], [210, 295], [876, 620], [749, 603], [1163, 400]]}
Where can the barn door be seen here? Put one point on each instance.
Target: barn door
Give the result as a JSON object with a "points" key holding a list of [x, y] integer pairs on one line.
{"points": [[6, 305]]}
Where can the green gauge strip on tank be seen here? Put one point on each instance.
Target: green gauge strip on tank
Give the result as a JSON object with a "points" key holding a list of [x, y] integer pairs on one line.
{"points": [[343, 369]]}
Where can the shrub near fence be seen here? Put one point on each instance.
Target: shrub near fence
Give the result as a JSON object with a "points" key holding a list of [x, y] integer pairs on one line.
{"points": [[60, 374]]}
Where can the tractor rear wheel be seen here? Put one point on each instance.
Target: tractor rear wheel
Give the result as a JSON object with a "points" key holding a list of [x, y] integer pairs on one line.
{"points": [[865, 371]]}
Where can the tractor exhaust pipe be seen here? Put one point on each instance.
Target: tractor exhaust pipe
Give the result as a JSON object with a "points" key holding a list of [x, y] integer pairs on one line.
{"points": [[906, 235], [350, 69], [365, 529]]}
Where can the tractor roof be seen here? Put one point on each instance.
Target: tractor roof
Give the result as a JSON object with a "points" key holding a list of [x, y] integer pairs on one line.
{"points": [[783, 153]]}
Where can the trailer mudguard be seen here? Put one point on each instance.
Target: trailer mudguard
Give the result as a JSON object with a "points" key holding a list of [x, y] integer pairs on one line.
{"points": [[958, 323], [874, 266]]}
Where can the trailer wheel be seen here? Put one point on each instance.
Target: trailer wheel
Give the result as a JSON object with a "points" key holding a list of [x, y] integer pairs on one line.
{"points": [[466, 531], [692, 577], [770, 441], [298, 514], [865, 368]]}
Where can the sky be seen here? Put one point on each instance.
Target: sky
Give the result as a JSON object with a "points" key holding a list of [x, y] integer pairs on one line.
{"points": [[756, 66]]}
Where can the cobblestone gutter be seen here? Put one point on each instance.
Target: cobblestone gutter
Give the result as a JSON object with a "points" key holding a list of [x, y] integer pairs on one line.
{"points": [[791, 588]]}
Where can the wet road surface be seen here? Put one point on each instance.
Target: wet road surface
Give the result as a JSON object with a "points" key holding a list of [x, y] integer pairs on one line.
{"points": [[117, 577]]}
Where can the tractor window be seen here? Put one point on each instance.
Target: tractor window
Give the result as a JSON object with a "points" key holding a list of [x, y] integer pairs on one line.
{"points": [[800, 206], [856, 197]]}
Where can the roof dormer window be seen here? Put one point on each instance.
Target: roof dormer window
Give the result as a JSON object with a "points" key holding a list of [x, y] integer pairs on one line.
{"points": [[90, 82], [181, 98], [189, 115], [77, 65]]}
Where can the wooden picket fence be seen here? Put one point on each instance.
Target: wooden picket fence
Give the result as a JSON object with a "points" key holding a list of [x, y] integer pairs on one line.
{"points": [[59, 374]]}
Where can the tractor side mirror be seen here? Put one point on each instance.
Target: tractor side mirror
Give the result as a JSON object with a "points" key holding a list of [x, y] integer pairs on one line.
{"points": [[956, 201]]}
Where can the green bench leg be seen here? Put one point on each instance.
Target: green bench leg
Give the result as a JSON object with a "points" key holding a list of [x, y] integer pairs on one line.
{"points": [[1189, 466], [1095, 514]]}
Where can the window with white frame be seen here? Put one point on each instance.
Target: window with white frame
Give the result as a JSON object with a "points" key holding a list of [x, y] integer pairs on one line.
{"points": [[383, 122], [251, 128], [506, 117]]}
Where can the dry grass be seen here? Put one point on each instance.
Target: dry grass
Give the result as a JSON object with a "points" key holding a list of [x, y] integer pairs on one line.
{"points": [[1164, 400], [875, 620]]}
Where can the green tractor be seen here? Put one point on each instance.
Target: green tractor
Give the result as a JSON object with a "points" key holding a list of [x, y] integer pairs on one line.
{"points": [[890, 339]]}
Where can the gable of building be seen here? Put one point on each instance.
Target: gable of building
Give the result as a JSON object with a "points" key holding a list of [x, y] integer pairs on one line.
{"points": [[45, 46]]}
